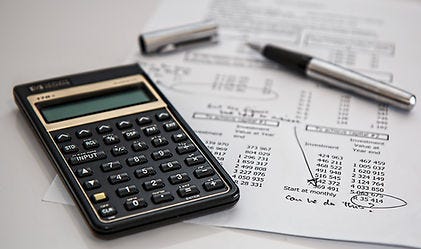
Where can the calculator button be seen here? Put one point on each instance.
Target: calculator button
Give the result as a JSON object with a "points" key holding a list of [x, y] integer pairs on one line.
{"points": [[87, 157], [122, 125], [143, 120], [151, 130], [159, 141], [130, 135], [139, 146], [183, 149], [213, 185], [119, 150], [84, 172], [194, 160], [179, 178], [171, 126], [179, 137], [111, 139], [99, 197], [204, 172], [153, 184], [122, 177], [126, 191], [162, 116], [91, 184], [83, 133], [107, 211], [162, 197], [90, 144], [110, 166], [70, 148], [188, 191], [161, 154], [63, 137], [170, 166], [135, 204], [136, 160], [104, 129], [144, 172]]}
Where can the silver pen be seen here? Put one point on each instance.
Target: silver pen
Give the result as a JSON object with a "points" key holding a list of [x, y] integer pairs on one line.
{"points": [[338, 76]]}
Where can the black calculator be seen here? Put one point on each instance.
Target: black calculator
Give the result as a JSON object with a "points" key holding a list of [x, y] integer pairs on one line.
{"points": [[126, 155]]}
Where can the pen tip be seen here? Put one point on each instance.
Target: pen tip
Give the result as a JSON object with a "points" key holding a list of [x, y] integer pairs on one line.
{"points": [[255, 46]]}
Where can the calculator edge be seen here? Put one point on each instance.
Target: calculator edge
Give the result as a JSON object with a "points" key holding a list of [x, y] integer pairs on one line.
{"points": [[228, 199]]}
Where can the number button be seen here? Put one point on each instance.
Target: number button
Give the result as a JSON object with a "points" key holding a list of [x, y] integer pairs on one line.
{"points": [[119, 150], [110, 166], [170, 166], [111, 139], [170, 126], [151, 130], [70, 148], [136, 160], [188, 191], [213, 185], [162, 116], [104, 129], [161, 154], [114, 179], [90, 144], [159, 141], [122, 125], [83, 133], [63, 137], [135, 204], [139, 146], [126, 191], [162, 197], [153, 184], [144, 172], [179, 178]]}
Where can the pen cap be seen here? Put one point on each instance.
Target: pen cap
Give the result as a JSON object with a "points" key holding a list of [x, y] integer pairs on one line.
{"points": [[180, 37]]}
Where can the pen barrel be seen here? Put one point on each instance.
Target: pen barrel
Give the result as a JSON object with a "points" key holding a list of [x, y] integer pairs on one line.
{"points": [[360, 84]]}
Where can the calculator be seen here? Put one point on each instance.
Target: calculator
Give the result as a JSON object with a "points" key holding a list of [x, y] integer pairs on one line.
{"points": [[126, 155]]}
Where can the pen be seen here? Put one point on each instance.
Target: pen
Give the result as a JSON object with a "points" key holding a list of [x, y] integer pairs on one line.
{"points": [[337, 76]]}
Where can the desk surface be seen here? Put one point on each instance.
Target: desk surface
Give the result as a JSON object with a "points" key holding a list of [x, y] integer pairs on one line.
{"points": [[42, 39]]}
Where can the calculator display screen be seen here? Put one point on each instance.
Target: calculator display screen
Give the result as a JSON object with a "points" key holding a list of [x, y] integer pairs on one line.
{"points": [[95, 103]]}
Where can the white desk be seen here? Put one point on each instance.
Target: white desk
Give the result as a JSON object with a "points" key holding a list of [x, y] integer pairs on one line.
{"points": [[43, 39]]}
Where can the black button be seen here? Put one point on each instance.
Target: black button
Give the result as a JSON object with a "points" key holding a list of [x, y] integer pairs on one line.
{"points": [[183, 149], [179, 137], [153, 184], [143, 120], [110, 166], [107, 212], [63, 137], [84, 172], [171, 126], [151, 130], [213, 185], [136, 160], [122, 177], [111, 139], [135, 204], [124, 125], [119, 150], [126, 191], [162, 197], [70, 148], [104, 129], [194, 160], [91, 184], [144, 172], [85, 157], [130, 135], [169, 166], [179, 178], [90, 144], [139, 146], [83, 133], [204, 172], [162, 116], [188, 191], [161, 154], [159, 141]]}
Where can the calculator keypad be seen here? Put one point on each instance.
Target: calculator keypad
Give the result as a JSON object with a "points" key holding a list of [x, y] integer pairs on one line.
{"points": [[137, 163]]}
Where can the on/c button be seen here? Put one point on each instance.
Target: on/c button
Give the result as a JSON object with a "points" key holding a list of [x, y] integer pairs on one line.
{"points": [[99, 197]]}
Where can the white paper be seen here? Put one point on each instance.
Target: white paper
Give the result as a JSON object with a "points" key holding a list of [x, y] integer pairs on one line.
{"points": [[309, 160]]}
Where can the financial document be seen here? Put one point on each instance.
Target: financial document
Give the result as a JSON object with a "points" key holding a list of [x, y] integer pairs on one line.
{"points": [[309, 160]]}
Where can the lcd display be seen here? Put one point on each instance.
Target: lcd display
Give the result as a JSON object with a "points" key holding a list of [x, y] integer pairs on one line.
{"points": [[95, 103]]}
